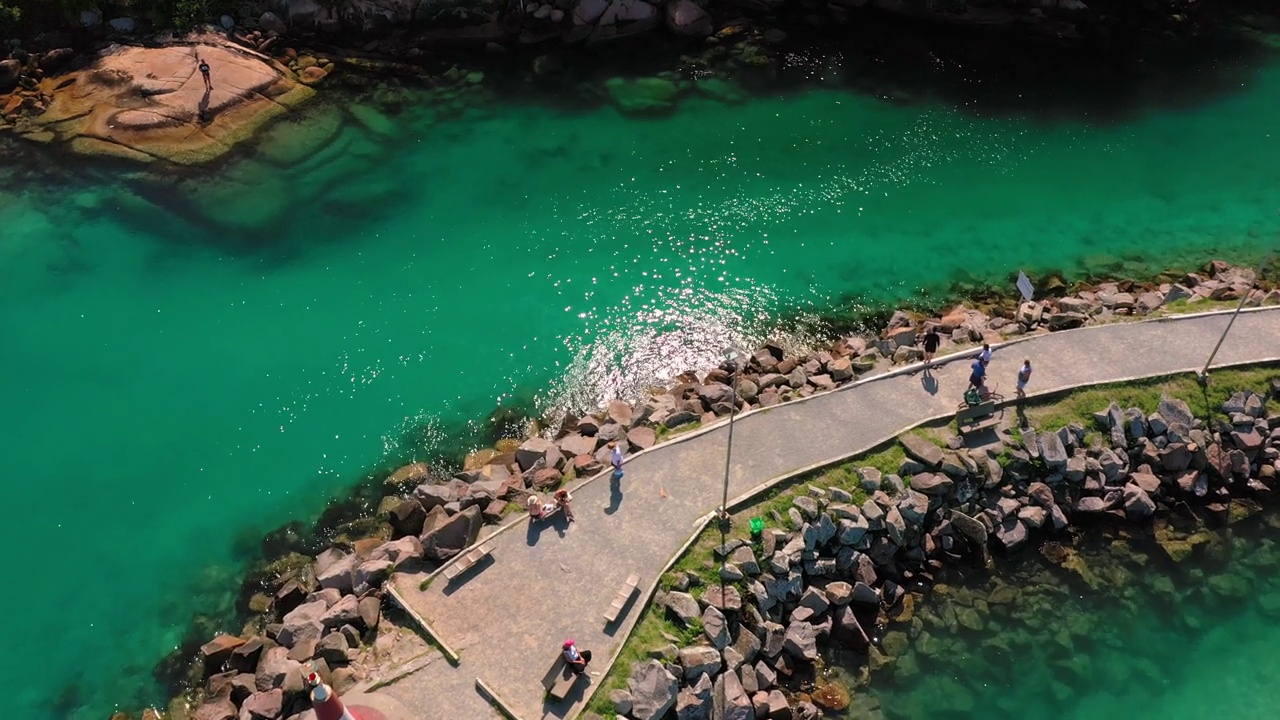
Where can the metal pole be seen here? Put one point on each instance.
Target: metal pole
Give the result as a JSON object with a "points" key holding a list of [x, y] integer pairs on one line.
{"points": [[728, 453], [1203, 375], [1204, 372]]}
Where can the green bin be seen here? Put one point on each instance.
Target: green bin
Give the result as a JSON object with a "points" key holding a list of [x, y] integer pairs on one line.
{"points": [[757, 526]]}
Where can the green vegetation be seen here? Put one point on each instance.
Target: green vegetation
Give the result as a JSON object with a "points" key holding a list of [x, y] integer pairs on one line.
{"points": [[665, 433], [1080, 405], [37, 15]]}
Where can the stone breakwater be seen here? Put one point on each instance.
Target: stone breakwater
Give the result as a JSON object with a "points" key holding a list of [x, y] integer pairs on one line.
{"points": [[327, 609], [843, 572], [496, 481]]}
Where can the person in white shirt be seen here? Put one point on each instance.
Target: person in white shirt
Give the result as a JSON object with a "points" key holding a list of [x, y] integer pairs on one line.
{"points": [[615, 459]]}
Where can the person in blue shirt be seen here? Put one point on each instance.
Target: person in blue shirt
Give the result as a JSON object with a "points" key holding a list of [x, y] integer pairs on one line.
{"points": [[978, 373]]}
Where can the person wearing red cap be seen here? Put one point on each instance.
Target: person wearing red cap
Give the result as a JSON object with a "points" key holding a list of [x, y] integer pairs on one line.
{"points": [[576, 659]]}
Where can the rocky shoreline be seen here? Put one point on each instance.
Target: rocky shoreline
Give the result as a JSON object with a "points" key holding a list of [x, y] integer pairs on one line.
{"points": [[848, 566], [325, 608], [110, 84]]}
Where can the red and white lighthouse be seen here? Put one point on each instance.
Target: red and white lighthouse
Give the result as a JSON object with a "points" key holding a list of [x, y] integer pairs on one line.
{"points": [[329, 706]]}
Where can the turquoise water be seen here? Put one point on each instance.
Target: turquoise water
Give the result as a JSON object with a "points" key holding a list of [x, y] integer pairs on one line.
{"points": [[194, 359], [1128, 635]]}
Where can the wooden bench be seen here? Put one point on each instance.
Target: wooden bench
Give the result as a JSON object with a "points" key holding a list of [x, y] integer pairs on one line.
{"points": [[560, 679], [976, 418], [466, 562], [622, 598]]}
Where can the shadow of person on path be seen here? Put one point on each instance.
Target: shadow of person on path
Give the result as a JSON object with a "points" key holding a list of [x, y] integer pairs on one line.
{"points": [[202, 112], [1020, 410], [929, 382], [535, 531], [615, 494]]}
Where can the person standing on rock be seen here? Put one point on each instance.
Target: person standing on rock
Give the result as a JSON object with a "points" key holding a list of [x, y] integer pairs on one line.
{"points": [[615, 459], [204, 72], [576, 660], [1024, 377]]}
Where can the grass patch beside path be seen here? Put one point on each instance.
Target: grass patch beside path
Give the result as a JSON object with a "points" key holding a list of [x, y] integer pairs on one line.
{"points": [[1080, 405]]}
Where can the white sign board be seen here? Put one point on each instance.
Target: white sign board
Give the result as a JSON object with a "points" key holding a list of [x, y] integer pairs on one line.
{"points": [[1024, 286]]}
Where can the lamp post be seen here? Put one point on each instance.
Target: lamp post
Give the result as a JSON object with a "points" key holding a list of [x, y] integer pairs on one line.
{"points": [[731, 355], [1203, 375]]}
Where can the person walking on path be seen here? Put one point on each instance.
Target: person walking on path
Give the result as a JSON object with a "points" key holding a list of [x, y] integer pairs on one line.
{"points": [[1024, 377], [931, 342], [615, 459], [978, 373], [985, 355], [576, 659], [204, 73]]}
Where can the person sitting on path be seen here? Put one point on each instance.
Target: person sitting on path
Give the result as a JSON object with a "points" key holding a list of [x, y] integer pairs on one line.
{"points": [[535, 508], [562, 499], [985, 355], [931, 342], [204, 72], [1024, 377], [978, 373], [575, 659], [615, 459]]}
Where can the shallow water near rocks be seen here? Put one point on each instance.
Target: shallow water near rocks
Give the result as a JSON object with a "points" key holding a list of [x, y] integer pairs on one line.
{"points": [[1118, 631], [191, 360]]}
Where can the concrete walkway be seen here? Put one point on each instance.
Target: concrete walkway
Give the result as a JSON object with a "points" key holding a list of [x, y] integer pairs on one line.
{"points": [[507, 620]]}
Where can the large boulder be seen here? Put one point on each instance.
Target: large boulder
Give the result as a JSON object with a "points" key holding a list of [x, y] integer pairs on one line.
{"points": [[922, 450], [970, 528], [653, 690], [344, 612], [641, 96], [408, 475], [450, 536], [699, 660], [276, 670], [303, 623], [694, 700], [1011, 533], [1176, 413], [588, 12], [715, 627], [531, 451], [801, 641], [1138, 505], [629, 11], [407, 518], [731, 700], [1052, 452], [263, 705], [338, 574], [218, 708], [217, 651], [686, 17], [398, 552], [682, 605], [10, 71], [148, 103], [932, 483]]}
